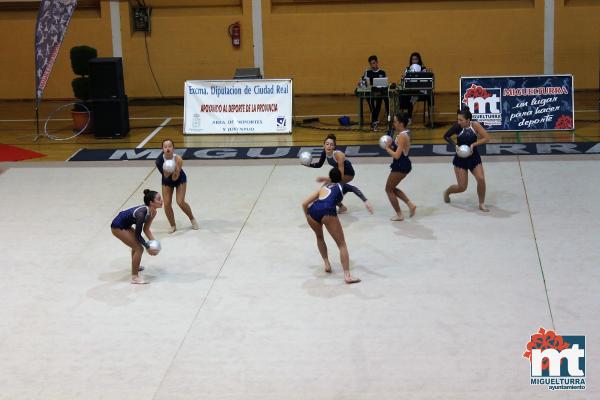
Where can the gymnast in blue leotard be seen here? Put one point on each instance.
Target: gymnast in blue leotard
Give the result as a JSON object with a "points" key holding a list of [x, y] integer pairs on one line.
{"points": [[174, 181], [320, 209], [472, 134], [336, 159], [142, 217], [400, 166]]}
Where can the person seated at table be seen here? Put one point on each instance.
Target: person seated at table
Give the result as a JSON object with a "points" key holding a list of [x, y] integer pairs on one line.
{"points": [[375, 102], [415, 64]]}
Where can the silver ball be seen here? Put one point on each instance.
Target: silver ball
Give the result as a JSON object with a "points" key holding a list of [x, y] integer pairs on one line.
{"points": [[154, 245], [169, 166], [385, 141], [464, 151], [305, 158]]}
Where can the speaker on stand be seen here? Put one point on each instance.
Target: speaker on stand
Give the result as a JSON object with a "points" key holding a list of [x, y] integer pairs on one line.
{"points": [[107, 98]]}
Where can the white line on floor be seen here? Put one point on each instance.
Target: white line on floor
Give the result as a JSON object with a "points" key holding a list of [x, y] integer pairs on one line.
{"points": [[155, 117], [435, 113], [295, 116], [154, 132], [73, 155], [212, 284], [69, 119]]}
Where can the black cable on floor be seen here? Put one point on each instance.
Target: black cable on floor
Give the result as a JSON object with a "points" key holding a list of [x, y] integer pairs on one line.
{"points": [[537, 249]]}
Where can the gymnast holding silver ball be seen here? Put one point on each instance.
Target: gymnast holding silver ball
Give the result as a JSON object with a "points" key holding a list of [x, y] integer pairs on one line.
{"points": [[469, 135]]}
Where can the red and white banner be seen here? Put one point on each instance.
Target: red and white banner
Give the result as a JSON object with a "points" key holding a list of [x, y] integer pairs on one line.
{"points": [[52, 22], [238, 106]]}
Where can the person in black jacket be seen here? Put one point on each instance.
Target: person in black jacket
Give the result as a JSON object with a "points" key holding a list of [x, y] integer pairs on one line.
{"points": [[375, 102]]}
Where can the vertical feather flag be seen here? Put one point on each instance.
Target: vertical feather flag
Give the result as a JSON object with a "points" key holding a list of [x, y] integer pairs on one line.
{"points": [[52, 23]]}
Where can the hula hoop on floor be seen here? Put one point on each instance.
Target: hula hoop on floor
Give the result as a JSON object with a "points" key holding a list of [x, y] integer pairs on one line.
{"points": [[54, 137]]}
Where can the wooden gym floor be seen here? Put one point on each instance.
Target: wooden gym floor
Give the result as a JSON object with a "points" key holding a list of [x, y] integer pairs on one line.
{"points": [[18, 126]]}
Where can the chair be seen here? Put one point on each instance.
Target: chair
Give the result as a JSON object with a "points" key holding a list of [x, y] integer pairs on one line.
{"points": [[426, 106]]}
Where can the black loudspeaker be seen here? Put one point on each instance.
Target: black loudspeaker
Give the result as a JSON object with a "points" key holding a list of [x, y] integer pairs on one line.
{"points": [[106, 78], [111, 117]]}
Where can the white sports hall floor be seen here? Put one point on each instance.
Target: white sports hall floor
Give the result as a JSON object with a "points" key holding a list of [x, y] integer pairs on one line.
{"points": [[242, 308]]}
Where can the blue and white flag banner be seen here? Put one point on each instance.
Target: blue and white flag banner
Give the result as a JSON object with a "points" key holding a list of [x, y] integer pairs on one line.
{"points": [[238, 107], [52, 23], [520, 103]]}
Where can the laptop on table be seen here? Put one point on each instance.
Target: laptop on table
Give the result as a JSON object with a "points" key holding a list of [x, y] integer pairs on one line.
{"points": [[380, 82]]}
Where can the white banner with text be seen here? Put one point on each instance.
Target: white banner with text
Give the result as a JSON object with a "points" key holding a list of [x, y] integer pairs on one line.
{"points": [[238, 106]]}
